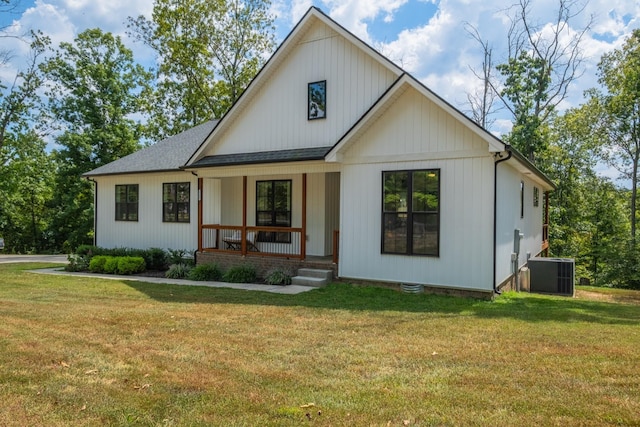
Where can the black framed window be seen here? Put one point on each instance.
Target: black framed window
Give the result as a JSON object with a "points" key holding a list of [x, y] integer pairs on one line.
{"points": [[176, 204], [317, 100], [273, 209], [411, 212], [536, 197], [127, 202]]}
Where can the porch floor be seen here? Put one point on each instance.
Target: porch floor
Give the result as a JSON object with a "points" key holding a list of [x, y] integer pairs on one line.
{"points": [[320, 259]]}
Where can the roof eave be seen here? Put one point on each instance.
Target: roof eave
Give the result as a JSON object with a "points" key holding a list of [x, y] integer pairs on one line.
{"points": [[516, 155], [144, 172]]}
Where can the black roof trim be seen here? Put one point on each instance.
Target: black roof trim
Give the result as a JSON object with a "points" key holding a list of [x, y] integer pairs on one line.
{"points": [[280, 156]]}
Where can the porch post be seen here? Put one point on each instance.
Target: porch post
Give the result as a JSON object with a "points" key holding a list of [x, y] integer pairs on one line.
{"points": [[200, 181], [303, 241], [244, 215]]}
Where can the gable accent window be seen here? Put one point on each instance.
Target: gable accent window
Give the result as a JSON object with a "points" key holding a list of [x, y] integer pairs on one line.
{"points": [[411, 212], [127, 202], [176, 202], [273, 209], [317, 100]]}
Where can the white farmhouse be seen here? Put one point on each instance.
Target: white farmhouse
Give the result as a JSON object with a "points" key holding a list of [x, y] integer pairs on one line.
{"points": [[334, 156]]}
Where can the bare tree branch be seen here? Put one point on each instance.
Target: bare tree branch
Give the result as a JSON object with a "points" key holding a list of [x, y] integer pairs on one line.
{"points": [[482, 101]]}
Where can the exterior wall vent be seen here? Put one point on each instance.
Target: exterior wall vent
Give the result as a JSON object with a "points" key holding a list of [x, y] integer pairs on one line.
{"points": [[552, 275]]}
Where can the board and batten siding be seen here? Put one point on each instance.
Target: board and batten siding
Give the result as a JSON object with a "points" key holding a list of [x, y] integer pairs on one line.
{"points": [[276, 117], [149, 231], [508, 220], [428, 138], [465, 259]]}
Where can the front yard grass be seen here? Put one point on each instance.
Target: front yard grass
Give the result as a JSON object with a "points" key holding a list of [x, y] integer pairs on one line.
{"points": [[78, 351]]}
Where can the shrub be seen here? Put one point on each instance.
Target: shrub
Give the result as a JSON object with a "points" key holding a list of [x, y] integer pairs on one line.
{"points": [[130, 265], [156, 259], [115, 252], [205, 272], [87, 250], [240, 274], [81, 259], [180, 256], [77, 263], [178, 271], [111, 265], [96, 265], [278, 276]]}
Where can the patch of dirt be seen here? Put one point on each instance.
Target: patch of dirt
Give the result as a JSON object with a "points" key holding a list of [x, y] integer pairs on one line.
{"points": [[631, 297], [594, 296]]}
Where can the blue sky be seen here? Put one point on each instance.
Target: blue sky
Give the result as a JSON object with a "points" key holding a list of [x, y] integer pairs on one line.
{"points": [[425, 37]]}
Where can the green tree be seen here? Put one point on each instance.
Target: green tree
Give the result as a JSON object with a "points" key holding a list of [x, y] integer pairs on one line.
{"points": [[542, 63], [526, 89], [19, 98], [588, 220], [25, 193], [569, 161], [24, 165], [207, 53], [606, 246], [95, 92], [619, 127]]}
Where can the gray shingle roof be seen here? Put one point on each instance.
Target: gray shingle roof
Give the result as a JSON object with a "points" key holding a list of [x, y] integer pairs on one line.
{"points": [[169, 154], [294, 155]]}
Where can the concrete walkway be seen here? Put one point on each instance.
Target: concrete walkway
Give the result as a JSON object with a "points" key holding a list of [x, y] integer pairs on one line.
{"points": [[288, 290]]}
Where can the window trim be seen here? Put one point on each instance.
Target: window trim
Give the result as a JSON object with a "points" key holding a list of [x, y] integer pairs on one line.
{"points": [[129, 212], [410, 213], [176, 218]]}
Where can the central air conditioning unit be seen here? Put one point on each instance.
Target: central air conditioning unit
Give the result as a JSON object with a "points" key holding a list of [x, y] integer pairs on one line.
{"points": [[552, 275]]}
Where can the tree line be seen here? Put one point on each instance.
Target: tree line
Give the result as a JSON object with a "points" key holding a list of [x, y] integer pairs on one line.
{"points": [[94, 103]]}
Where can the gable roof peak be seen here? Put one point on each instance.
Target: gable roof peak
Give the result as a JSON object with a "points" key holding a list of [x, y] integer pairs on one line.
{"points": [[284, 49]]}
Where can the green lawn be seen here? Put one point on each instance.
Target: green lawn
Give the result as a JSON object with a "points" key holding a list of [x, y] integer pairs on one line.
{"points": [[78, 351]]}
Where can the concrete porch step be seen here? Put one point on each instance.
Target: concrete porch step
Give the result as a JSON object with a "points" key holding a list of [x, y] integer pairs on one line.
{"points": [[312, 277]]}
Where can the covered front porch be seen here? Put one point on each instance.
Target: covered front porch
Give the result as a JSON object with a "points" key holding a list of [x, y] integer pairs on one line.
{"points": [[283, 216]]}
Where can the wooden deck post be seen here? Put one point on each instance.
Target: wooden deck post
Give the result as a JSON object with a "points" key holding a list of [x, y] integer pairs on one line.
{"points": [[303, 237], [244, 215], [200, 195]]}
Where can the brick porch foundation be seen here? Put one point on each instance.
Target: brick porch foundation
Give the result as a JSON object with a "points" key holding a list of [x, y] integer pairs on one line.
{"points": [[262, 264]]}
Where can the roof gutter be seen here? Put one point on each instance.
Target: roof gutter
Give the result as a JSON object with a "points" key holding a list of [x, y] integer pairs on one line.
{"points": [[495, 213]]}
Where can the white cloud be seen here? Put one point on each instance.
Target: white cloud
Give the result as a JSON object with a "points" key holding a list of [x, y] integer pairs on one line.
{"points": [[298, 9], [49, 19], [355, 15], [437, 51], [440, 52]]}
